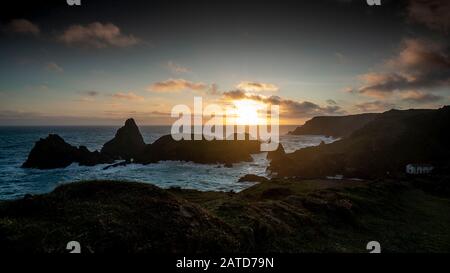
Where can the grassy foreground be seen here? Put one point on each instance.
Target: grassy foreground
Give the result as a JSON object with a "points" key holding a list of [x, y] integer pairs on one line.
{"points": [[276, 216]]}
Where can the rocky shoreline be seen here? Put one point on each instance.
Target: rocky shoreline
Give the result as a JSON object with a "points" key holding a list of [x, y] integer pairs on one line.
{"points": [[128, 145]]}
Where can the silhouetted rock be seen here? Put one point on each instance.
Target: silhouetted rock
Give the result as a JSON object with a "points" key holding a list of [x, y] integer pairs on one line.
{"points": [[199, 151], [252, 178], [335, 126], [53, 152], [128, 142], [278, 153]]}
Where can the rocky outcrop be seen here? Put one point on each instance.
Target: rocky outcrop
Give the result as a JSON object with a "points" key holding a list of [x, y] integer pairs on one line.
{"points": [[335, 126], [127, 143], [53, 152], [253, 178], [199, 151], [278, 153]]}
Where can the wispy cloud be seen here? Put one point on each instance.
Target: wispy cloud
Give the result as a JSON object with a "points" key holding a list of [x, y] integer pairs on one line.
{"points": [[420, 97], [374, 106], [23, 26], [127, 96], [251, 86], [52, 66], [177, 85], [341, 59], [90, 93], [97, 35], [177, 68]]}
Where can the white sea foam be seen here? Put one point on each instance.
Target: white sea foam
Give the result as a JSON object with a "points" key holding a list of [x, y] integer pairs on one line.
{"points": [[16, 181]]}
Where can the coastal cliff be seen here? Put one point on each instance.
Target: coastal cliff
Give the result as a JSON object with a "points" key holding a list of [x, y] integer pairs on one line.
{"points": [[383, 147], [335, 126]]}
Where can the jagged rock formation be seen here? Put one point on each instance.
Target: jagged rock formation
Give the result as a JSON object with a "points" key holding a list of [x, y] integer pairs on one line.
{"points": [[199, 151], [279, 152], [334, 126], [53, 152], [127, 144]]}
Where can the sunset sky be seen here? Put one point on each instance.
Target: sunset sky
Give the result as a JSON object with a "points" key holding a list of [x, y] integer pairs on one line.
{"points": [[103, 62]]}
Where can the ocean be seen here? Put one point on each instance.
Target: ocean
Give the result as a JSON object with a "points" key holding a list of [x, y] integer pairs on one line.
{"points": [[16, 143]]}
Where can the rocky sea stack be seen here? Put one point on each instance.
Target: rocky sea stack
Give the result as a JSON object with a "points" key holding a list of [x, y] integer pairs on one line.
{"points": [[53, 152], [127, 144]]}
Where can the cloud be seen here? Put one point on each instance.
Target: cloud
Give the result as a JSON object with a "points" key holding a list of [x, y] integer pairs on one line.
{"points": [[90, 93], [160, 113], [127, 96], [214, 90], [420, 97], [341, 59], [97, 35], [23, 26], [419, 65], [88, 96], [85, 99], [289, 108], [249, 86], [176, 68], [177, 85], [43, 87], [331, 102], [374, 106], [432, 13], [51, 66]]}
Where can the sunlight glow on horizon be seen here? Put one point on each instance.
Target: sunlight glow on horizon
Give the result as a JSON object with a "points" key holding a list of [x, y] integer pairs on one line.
{"points": [[248, 112]]}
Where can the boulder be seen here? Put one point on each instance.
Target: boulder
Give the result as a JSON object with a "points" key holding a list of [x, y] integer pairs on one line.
{"points": [[278, 153], [253, 178], [127, 143]]}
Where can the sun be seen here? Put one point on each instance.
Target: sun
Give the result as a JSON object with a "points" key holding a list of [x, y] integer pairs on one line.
{"points": [[247, 112]]}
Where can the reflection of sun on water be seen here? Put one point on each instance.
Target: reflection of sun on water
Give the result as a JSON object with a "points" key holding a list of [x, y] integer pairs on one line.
{"points": [[247, 112]]}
